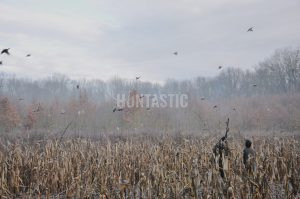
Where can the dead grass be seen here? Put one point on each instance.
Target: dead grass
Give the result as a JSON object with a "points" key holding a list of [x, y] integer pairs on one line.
{"points": [[147, 167]]}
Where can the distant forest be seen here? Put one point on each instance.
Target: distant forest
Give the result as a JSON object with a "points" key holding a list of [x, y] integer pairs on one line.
{"points": [[265, 98]]}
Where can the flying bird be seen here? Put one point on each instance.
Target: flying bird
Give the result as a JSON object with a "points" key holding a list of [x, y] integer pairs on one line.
{"points": [[137, 78], [1, 63], [77, 86], [215, 106], [28, 55], [148, 109], [202, 98], [175, 53], [38, 109], [254, 85], [250, 29], [142, 96], [5, 51], [234, 109], [117, 109], [20, 99], [220, 67]]}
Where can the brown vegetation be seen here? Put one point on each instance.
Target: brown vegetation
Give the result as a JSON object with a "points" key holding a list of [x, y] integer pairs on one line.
{"points": [[148, 167], [9, 117]]}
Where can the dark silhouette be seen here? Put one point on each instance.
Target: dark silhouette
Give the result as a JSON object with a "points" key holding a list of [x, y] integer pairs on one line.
{"points": [[137, 78], [202, 98], [248, 152], [250, 29], [215, 106], [221, 148], [1, 62], [28, 55], [254, 85], [220, 67], [117, 109], [5, 51], [77, 86], [175, 53]]}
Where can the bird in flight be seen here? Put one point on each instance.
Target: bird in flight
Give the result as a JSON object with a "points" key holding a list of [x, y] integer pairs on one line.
{"points": [[1, 63], [117, 109], [148, 109], [202, 98], [77, 86], [137, 78], [220, 67], [254, 85], [38, 109], [175, 53], [215, 106], [250, 29], [20, 99], [5, 51], [28, 55], [234, 109]]}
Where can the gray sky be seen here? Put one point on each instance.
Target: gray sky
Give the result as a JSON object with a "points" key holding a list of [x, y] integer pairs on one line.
{"points": [[101, 39]]}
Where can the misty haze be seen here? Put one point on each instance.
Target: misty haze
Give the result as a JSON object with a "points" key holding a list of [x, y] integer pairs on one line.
{"points": [[150, 99]]}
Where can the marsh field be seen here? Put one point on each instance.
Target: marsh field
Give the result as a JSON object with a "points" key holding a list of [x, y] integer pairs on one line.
{"points": [[130, 138], [139, 99], [147, 166]]}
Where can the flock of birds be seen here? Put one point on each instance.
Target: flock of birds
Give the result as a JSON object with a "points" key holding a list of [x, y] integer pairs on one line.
{"points": [[38, 109], [6, 51], [116, 109]]}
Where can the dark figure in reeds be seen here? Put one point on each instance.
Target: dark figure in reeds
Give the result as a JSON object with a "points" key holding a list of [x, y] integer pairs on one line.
{"points": [[248, 152], [221, 149]]}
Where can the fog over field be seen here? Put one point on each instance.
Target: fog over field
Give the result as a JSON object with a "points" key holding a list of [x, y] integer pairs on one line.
{"points": [[150, 99], [265, 99]]}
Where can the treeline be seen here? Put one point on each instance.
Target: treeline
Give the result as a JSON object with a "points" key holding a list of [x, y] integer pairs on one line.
{"points": [[265, 98], [278, 74]]}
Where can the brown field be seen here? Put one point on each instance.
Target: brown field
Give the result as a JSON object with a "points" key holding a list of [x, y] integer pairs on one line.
{"points": [[148, 167]]}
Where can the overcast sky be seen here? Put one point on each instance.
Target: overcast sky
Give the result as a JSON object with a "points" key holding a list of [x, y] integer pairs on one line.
{"points": [[125, 38]]}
